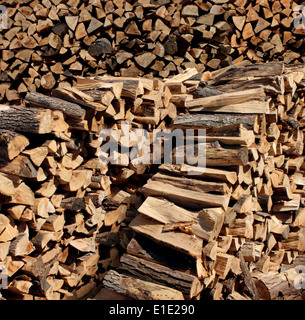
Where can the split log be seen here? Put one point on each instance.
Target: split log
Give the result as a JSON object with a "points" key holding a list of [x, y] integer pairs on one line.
{"points": [[210, 173], [211, 121], [205, 224], [178, 241], [247, 101], [11, 144]]}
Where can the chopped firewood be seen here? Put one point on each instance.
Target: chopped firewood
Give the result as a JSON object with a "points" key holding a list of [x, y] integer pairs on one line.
{"points": [[224, 230]]}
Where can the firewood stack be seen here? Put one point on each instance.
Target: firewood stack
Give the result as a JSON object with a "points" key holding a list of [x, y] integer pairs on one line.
{"points": [[231, 231], [236, 230], [267, 30], [47, 43], [62, 209]]}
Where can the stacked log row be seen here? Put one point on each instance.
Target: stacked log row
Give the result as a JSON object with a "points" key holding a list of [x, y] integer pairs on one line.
{"points": [[50, 42], [46, 44], [267, 30], [236, 229], [228, 231], [63, 211]]}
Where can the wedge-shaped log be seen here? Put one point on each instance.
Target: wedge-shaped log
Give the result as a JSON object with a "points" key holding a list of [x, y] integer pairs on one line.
{"points": [[21, 166], [11, 144]]}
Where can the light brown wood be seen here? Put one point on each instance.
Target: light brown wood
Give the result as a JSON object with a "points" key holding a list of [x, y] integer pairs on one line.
{"points": [[199, 199], [26, 120], [184, 170], [67, 217], [154, 230], [201, 223]]}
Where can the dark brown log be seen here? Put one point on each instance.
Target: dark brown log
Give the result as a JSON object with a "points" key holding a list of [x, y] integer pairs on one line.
{"points": [[211, 121], [144, 248], [22, 119], [53, 103], [73, 204], [99, 47], [142, 269]]}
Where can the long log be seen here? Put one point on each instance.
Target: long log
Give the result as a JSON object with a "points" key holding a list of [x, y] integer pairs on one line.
{"points": [[139, 289], [198, 172], [53, 103], [22, 119], [272, 85], [256, 70], [191, 199], [145, 270], [215, 155], [246, 102], [212, 121], [193, 184]]}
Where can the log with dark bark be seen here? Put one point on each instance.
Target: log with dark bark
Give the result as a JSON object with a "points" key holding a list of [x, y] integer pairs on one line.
{"points": [[43, 101], [23, 119], [145, 270], [139, 289]]}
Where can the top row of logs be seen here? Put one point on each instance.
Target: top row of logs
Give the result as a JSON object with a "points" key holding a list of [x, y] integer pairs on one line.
{"points": [[47, 43]]}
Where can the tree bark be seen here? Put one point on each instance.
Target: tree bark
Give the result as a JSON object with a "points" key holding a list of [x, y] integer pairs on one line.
{"points": [[11, 144], [22, 119], [145, 270], [53, 103]]}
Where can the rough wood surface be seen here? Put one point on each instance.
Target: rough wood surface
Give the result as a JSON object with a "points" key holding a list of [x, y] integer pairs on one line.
{"points": [[139, 289], [26, 120], [67, 216], [145, 270], [68, 108]]}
